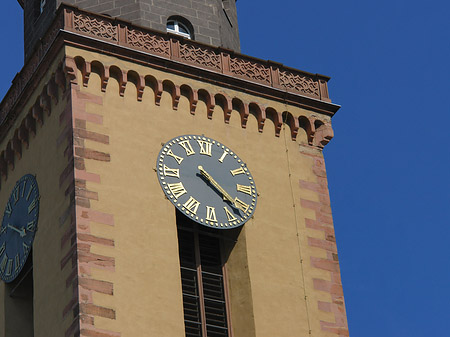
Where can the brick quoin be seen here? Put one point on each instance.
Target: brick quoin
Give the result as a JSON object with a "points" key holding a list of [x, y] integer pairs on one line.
{"points": [[323, 222]]}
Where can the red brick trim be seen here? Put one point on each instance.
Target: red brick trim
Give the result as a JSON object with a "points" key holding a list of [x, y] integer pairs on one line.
{"points": [[78, 237], [323, 222]]}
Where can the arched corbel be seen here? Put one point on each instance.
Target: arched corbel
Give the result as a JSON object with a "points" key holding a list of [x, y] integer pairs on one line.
{"points": [[123, 80], [37, 113], [9, 155], [324, 133], [158, 91], [60, 78], [140, 86], [45, 102], [260, 115], [227, 107], [278, 119], [193, 100], [3, 165], [52, 89], [30, 123], [176, 94], [104, 78], [121, 77], [209, 100], [16, 145], [86, 72], [305, 124], [102, 71], [23, 134], [244, 115], [293, 124], [70, 68]]}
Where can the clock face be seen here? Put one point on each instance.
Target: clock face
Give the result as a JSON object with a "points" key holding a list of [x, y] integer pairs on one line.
{"points": [[206, 181], [18, 227]]}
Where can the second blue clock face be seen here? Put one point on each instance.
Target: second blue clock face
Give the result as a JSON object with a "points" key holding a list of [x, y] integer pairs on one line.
{"points": [[18, 227], [207, 181]]}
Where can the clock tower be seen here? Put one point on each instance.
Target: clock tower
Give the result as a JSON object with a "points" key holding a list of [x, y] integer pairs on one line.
{"points": [[156, 182]]}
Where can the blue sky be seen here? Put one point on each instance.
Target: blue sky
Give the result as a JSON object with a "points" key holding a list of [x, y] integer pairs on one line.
{"points": [[388, 165]]}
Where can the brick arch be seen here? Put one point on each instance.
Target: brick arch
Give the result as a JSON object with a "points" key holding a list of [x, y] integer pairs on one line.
{"points": [[259, 113], [192, 96], [174, 91], [276, 118], [156, 85], [210, 102], [226, 104], [306, 125], [290, 120], [242, 108], [120, 76], [138, 81]]}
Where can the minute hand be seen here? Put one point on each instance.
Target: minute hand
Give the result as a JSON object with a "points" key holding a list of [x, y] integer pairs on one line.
{"points": [[216, 185]]}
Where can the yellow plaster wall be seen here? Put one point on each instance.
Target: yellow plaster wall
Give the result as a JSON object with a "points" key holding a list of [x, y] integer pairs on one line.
{"points": [[45, 159], [147, 290]]}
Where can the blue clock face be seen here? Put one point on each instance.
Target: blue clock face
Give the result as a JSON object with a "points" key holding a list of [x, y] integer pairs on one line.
{"points": [[18, 227], [207, 181]]}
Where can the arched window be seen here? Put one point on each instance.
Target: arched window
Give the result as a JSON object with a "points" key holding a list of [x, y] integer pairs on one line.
{"points": [[175, 26]]}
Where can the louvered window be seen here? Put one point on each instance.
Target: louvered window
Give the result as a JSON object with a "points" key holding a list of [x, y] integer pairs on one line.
{"points": [[202, 279]]}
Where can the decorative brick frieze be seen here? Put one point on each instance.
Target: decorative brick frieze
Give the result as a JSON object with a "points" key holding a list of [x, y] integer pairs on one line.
{"points": [[323, 223]]}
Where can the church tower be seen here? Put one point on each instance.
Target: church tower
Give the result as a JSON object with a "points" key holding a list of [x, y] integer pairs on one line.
{"points": [[156, 182]]}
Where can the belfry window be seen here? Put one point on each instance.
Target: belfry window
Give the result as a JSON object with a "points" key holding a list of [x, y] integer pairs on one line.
{"points": [[203, 281], [175, 26]]}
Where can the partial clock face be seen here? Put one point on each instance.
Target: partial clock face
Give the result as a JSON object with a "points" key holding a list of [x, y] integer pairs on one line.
{"points": [[18, 227], [207, 181]]}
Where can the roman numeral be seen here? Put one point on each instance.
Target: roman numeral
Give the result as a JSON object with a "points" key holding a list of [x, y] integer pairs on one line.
{"points": [[211, 213], [171, 172], [230, 215], [23, 188], [2, 248], [31, 226], [244, 189], [192, 205], [223, 156], [187, 147], [2, 230], [33, 205], [241, 205], [3, 263], [16, 194], [26, 248], [16, 262], [29, 192], [205, 147], [8, 209], [177, 189], [9, 266], [237, 171], [174, 156]]}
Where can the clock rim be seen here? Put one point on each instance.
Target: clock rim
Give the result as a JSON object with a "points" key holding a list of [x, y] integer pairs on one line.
{"points": [[24, 177]]}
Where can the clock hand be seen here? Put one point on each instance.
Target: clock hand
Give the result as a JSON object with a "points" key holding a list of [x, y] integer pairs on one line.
{"points": [[216, 185], [225, 194], [21, 232]]}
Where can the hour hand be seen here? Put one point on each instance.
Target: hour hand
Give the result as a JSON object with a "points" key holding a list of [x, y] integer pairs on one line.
{"points": [[21, 232], [208, 177]]}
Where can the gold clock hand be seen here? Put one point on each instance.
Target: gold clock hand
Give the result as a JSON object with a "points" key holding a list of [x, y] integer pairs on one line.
{"points": [[216, 185]]}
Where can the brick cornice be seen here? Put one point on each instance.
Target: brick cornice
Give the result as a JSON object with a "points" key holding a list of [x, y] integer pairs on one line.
{"points": [[170, 53]]}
